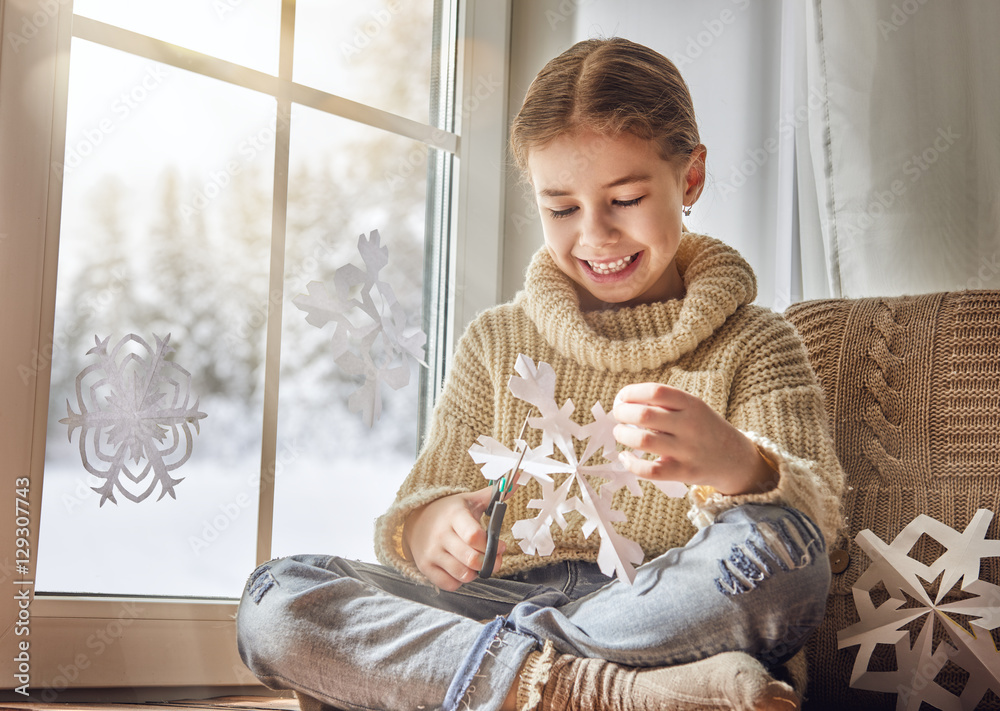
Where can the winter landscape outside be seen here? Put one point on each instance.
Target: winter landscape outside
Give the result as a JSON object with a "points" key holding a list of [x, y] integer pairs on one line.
{"points": [[166, 230]]}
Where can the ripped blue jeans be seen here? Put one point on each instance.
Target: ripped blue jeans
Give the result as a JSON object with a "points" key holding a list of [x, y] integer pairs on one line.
{"points": [[360, 636]]}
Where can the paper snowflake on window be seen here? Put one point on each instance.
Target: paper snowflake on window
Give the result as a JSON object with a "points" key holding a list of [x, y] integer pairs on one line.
{"points": [[905, 580], [139, 420], [536, 385], [379, 345]]}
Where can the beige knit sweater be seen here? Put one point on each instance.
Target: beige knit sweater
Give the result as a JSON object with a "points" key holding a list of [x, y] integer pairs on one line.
{"points": [[746, 362]]}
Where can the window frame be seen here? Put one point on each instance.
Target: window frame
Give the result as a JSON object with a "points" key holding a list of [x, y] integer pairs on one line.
{"points": [[169, 643]]}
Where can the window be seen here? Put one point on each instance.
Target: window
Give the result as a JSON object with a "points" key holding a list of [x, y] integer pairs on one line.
{"points": [[213, 160]]}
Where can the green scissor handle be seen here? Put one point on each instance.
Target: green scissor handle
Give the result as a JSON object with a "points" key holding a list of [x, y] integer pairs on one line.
{"points": [[497, 509]]}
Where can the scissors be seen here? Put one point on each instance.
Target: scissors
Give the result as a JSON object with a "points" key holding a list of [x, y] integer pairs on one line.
{"points": [[502, 489]]}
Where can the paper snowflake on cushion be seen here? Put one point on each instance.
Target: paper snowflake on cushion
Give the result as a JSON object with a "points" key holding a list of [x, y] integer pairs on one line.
{"points": [[536, 385], [381, 340], [903, 578], [140, 414]]}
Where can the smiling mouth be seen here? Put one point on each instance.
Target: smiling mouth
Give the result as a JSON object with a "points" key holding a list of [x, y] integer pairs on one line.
{"points": [[612, 267]]}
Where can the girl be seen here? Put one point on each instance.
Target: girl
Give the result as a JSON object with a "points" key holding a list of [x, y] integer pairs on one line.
{"points": [[629, 309]]}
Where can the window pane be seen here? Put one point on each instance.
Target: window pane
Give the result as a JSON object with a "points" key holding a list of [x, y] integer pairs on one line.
{"points": [[336, 474], [242, 31], [165, 231], [377, 52]]}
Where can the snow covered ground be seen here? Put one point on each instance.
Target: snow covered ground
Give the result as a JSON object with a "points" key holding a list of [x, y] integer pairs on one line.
{"points": [[203, 544]]}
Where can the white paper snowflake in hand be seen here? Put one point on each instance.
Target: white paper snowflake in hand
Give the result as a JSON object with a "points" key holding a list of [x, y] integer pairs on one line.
{"points": [[536, 385], [140, 411], [382, 342], [902, 577]]}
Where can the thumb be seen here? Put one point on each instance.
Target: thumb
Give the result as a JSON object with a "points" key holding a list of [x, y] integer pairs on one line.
{"points": [[478, 501]]}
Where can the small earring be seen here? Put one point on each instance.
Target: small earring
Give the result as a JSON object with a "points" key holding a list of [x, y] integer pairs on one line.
{"points": [[687, 211]]}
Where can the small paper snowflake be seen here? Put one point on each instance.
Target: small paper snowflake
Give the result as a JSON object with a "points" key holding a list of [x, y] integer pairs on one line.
{"points": [[536, 385], [140, 411], [902, 576], [382, 341]]}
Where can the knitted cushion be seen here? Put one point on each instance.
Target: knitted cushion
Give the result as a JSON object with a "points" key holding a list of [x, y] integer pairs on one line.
{"points": [[912, 387]]}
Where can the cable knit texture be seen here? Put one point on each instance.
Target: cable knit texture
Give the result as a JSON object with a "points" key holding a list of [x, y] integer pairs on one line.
{"points": [[911, 384], [746, 362]]}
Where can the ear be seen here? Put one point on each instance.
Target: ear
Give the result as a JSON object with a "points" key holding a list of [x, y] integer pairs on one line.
{"points": [[694, 176]]}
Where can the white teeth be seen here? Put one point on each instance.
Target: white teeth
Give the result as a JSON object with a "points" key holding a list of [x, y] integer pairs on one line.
{"points": [[610, 267]]}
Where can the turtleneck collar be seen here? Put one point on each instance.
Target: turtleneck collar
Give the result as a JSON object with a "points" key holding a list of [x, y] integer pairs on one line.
{"points": [[717, 281]]}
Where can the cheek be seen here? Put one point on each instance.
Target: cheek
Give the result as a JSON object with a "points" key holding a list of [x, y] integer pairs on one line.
{"points": [[658, 222], [557, 237], [661, 230]]}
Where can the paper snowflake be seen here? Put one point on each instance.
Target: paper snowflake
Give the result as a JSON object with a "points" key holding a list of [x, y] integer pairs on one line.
{"points": [[140, 413], [378, 346], [905, 580], [536, 385]]}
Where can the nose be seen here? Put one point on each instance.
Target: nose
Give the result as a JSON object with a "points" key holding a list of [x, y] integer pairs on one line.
{"points": [[598, 229]]}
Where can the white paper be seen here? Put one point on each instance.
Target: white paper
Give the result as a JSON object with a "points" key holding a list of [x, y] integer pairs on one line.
{"points": [[536, 385], [371, 340], [135, 409], [904, 576]]}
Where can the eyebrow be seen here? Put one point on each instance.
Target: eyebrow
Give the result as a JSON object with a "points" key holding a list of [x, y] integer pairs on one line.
{"points": [[626, 180]]}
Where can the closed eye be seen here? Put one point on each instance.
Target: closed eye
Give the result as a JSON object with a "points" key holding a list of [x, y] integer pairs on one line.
{"points": [[629, 203], [557, 214]]}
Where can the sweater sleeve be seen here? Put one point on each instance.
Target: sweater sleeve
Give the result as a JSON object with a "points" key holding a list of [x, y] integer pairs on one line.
{"points": [[777, 402], [443, 467]]}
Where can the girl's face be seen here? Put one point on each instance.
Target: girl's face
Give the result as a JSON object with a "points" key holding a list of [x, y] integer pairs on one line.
{"points": [[611, 214]]}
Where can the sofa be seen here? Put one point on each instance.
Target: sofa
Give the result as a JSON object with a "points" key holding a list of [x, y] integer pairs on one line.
{"points": [[912, 391]]}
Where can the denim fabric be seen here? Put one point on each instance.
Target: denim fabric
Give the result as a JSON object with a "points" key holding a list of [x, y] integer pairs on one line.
{"points": [[361, 636]]}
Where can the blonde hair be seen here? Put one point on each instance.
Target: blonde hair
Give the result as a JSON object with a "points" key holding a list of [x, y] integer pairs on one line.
{"points": [[609, 86]]}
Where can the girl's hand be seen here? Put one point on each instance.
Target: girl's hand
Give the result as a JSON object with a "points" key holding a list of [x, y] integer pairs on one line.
{"points": [[694, 444], [446, 540]]}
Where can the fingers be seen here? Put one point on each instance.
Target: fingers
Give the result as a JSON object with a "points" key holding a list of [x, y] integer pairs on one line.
{"points": [[658, 419], [645, 439], [662, 469], [654, 418], [459, 562], [470, 532], [645, 410], [447, 539], [656, 394], [455, 568]]}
